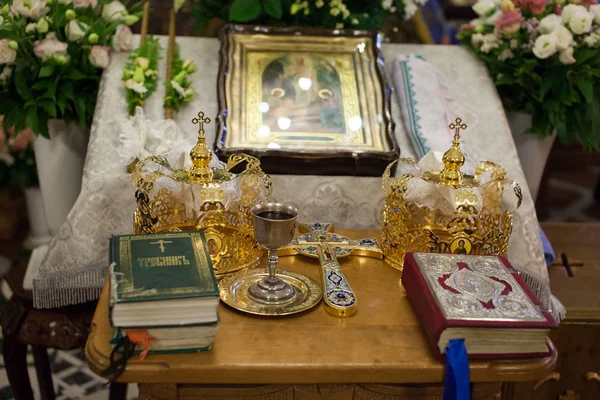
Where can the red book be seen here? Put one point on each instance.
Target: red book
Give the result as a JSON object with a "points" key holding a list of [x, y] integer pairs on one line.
{"points": [[481, 299]]}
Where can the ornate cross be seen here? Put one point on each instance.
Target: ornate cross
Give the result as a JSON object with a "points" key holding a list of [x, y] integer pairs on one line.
{"points": [[201, 120], [457, 125], [318, 241], [161, 243]]}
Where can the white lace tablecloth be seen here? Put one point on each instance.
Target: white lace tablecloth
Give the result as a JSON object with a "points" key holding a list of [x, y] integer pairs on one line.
{"points": [[77, 261]]}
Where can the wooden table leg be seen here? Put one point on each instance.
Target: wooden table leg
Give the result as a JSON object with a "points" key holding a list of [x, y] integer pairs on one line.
{"points": [[44, 374], [118, 391], [15, 363]]}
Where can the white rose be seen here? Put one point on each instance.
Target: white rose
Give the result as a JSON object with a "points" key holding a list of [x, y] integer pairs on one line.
{"points": [[76, 30], [595, 10], [7, 55], [100, 56], [484, 7], [6, 73], [50, 48], [114, 11], [566, 56], [569, 10], [31, 27], [564, 38], [545, 46], [549, 23], [122, 41], [581, 22], [51, 35], [34, 9]]}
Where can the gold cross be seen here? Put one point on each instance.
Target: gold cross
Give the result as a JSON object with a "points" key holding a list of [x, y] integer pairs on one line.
{"points": [[201, 120], [457, 126], [161, 243]]}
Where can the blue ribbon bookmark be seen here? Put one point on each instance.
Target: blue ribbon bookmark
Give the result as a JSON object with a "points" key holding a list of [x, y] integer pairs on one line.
{"points": [[457, 381]]}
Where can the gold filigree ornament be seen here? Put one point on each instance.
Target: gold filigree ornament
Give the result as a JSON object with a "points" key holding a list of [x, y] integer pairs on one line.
{"points": [[447, 211], [214, 200]]}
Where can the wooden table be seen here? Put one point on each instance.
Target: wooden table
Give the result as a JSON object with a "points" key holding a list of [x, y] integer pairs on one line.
{"points": [[313, 355]]}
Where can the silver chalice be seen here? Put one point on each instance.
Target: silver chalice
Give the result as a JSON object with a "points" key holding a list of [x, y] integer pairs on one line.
{"points": [[274, 227]]}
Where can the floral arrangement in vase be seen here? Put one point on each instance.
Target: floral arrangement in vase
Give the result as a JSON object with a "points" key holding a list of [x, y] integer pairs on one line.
{"points": [[544, 57], [52, 53], [332, 14], [17, 161]]}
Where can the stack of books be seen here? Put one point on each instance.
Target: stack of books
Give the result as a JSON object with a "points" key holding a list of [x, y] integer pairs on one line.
{"points": [[163, 287]]}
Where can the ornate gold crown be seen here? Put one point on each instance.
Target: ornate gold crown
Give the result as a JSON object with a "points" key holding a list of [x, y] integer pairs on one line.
{"points": [[447, 211], [214, 200]]}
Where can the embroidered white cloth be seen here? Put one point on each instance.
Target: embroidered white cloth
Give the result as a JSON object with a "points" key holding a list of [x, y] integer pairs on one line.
{"points": [[77, 261]]}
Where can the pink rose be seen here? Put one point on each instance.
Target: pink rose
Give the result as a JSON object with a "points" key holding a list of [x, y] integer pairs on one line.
{"points": [[85, 3], [22, 140], [509, 22], [100, 56], [50, 48], [537, 6]]}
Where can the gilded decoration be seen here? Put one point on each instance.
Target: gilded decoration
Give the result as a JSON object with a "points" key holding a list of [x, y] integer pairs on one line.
{"points": [[215, 200], [469, 214]]}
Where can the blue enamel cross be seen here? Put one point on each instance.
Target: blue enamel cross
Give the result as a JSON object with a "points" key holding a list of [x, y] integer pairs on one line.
{"points": [[318, 240]]}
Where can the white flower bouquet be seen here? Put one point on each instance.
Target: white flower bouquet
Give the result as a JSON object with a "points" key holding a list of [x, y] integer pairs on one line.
{"points": [[52, 53], [544, 57]]}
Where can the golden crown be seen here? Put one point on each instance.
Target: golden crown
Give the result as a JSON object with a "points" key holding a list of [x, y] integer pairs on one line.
{"points": [[447, 211], [214, 200]]}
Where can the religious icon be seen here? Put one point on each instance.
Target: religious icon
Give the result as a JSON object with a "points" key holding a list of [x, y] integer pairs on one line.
{"points": [[460, 246], [214, 245], [301, 100]]}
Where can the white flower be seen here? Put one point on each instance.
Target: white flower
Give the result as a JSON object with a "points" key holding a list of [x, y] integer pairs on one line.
{"points": [[410, 9], [142, 62], [50, 48], [31, 27], [566, 56], [487, 42], [100, 56], [492, 19], [595, 10], [392, 10], [136, 87], [178, 89], [7, 55], [592, 40], [549, 23], [354, 21], [122, 41], [386, 4], [484, 7], [6, 73], [564, 38], [505, 55], [514, 43], [34, 9], [581, 22], [114, 11], [545, 46], [76, 30], [569, 10], [51, 35]]}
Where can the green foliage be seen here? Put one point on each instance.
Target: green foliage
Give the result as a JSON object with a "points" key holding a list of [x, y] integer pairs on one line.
{"points": [[561, 98], [362, 14], [178, 90]]}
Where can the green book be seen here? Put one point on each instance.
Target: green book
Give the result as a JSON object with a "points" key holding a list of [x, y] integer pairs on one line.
{"points": [[162, 280]]}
